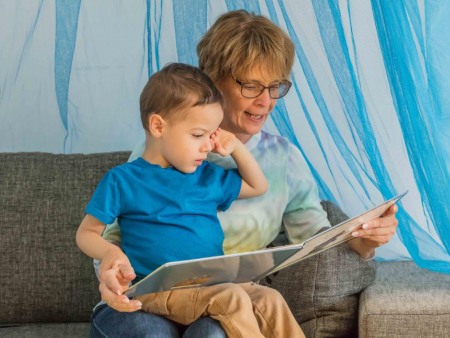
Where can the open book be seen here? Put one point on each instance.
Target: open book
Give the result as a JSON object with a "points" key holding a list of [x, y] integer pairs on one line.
{"points": [[250, 266]]}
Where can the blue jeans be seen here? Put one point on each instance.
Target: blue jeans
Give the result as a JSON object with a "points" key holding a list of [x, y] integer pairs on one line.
{"points": [[109, 323]]}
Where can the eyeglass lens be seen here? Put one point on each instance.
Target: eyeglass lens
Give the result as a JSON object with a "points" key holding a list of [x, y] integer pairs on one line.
{"points": [[252, 90]]}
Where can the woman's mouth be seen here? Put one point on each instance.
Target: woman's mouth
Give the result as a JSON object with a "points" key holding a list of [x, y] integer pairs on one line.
{"points": [[254, 116]]}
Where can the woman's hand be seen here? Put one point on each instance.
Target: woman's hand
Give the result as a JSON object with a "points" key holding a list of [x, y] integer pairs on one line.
{"points": [[115, 276], [375, 233]]}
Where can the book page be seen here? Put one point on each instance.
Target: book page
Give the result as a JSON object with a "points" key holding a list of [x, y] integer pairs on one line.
{"points": [[233, 268]]}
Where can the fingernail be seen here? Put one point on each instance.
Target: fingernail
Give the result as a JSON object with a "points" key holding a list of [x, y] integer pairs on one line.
{"points": [[355, 234], [365, 226]]}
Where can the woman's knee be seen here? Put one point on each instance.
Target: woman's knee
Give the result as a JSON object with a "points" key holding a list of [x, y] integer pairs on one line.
{"points": [[205, 327], [108, 323]]}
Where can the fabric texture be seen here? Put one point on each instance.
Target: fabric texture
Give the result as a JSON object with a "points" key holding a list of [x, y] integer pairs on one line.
{"points": [[405, 301], [66, 330], [49, 282], [244, 310], [44, 274], [107, 322], [165, 215], [368, 105], [323, 290]]}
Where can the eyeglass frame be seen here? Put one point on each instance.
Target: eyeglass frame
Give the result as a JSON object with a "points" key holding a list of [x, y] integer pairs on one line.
{"points": [[284, 82]]}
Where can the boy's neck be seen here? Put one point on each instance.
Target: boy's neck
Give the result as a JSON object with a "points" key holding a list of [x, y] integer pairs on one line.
{"points": [[153, 155]]}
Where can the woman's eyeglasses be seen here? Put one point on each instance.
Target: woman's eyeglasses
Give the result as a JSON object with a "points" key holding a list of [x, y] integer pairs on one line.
{"points": [[252, 90]]}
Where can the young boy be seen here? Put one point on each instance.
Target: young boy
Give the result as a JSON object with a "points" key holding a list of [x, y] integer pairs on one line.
{"points": [[167, 202]]}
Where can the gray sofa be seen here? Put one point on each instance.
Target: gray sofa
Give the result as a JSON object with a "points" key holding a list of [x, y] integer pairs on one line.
{"points": [[49, 287]]}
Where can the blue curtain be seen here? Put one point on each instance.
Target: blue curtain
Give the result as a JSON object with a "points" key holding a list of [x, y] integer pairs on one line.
{"points": [[410, 54], [369, 107]]}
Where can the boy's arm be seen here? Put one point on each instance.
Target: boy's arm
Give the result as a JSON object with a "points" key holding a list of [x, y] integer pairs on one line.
{"points": [[117, 274], [254, 181], [89, 238]]}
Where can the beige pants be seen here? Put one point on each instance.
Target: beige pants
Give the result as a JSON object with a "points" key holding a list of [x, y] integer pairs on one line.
{"points": [[244, 310]]}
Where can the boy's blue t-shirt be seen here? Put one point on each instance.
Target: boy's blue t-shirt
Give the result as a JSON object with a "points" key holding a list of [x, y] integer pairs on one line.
{"points": [[165, 215]]}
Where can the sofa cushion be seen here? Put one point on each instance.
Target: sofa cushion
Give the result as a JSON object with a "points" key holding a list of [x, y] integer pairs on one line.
{"points": [[405, 301], [70, 330], [45, 277], [323, 291], [48, 279]]}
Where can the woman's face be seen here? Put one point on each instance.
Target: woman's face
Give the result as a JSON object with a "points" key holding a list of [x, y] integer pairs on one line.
{"points": [[242, 116]]}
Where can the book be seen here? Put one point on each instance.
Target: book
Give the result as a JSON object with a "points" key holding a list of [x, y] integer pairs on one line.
{"points": [[250, 266]]}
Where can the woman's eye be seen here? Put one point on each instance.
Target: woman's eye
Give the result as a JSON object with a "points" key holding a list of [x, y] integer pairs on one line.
{"points": [[197, 135], [251, 87]]}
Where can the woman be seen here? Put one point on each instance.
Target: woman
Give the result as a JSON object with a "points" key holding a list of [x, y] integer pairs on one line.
{"points": [[249, 58]]}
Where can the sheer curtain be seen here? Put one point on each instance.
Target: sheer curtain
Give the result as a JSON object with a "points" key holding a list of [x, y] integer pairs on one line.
{"points": [[369, 107]]}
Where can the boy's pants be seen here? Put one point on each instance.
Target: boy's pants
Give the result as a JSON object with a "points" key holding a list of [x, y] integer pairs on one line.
{"points": [[243, 310]]}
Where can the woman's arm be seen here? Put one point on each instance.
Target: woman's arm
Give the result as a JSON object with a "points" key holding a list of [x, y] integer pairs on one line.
{"points": [[302, 222]]}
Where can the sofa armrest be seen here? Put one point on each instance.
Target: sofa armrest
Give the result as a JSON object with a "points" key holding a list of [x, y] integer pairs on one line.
{"points": [[405, 301]]}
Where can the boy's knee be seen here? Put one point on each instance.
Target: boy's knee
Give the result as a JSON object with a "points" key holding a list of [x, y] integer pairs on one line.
{"points": [[272, 292], [228, 293], [277, 297], [268, 297], [233, 290]]}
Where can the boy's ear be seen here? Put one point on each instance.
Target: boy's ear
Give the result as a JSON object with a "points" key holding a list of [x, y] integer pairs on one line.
{"points": [[156, 125]]}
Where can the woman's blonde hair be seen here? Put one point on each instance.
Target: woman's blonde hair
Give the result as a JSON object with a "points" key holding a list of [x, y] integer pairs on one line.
{"points": [[238, 41]]}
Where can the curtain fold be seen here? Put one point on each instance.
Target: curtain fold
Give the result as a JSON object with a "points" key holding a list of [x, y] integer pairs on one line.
{"points": [[369, 107], [406, 61]]}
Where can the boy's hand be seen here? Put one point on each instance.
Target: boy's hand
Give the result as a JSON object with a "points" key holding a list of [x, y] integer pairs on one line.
{"points": [[223, 142], [115, 276], [254, 183]]}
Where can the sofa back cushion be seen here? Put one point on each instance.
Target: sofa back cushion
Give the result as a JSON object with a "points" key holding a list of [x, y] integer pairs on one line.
{"points": [[323, 290], [45, 277]]}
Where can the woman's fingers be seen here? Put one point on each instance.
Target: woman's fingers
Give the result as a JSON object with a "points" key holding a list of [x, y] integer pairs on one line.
{"points": [[379, 230]]}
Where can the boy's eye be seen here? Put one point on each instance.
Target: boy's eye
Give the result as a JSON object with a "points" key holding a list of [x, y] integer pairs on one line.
{"points": [[197, 135]]}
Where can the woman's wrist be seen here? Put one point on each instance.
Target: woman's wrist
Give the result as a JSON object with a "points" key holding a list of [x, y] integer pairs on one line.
{"points": [[364, 251]]}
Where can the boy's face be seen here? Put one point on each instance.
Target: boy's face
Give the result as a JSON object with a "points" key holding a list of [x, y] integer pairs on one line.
{"points": [[186, 143]]}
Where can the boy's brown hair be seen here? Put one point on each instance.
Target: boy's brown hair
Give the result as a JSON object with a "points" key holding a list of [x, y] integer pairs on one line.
{"points": [[174, 89]]}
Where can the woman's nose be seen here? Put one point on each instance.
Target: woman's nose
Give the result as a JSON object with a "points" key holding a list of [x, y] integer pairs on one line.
{"points": [[264, 98]]}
